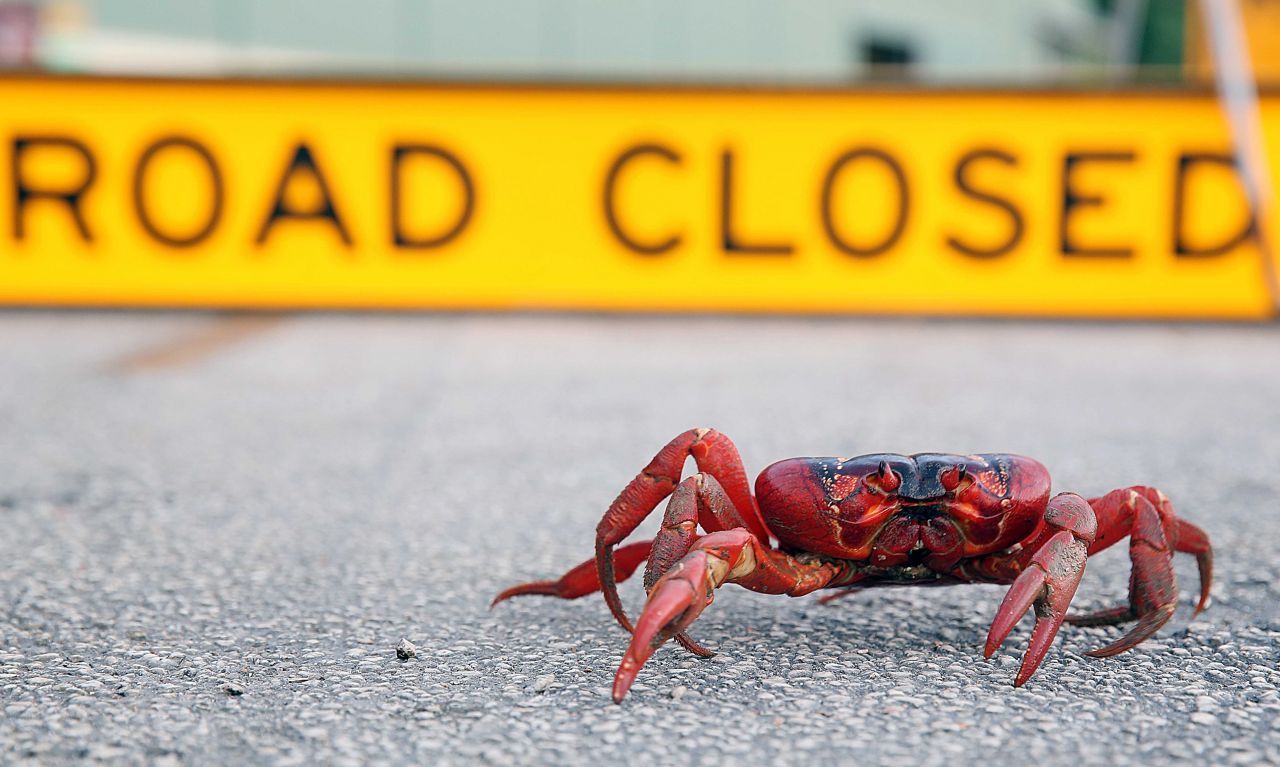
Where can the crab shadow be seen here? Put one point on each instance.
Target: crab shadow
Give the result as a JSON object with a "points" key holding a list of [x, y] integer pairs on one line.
{"points": [[874, 621]]}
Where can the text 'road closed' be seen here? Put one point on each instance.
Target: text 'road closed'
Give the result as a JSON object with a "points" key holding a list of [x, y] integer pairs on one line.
{"points": [[270, 194]]}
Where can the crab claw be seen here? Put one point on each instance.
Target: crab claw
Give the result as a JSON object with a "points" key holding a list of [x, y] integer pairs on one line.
{"points": [[1029, 587], [1048, 582], [677, 599]]}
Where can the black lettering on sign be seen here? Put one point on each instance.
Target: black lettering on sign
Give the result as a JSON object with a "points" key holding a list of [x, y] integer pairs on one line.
{"points": [[24, 192], [964, 184], [732, 243], [139, 191], [841, 241], [303, 162], [1071, 200], [1186, 161], [402, 240], [610, 192]]}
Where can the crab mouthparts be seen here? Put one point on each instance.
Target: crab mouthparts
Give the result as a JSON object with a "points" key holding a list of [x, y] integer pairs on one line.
{"points": [[923, 510]]}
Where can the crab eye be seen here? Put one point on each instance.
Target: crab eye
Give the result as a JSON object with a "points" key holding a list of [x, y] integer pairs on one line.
{"points": [[951, 478], [886, 478]]}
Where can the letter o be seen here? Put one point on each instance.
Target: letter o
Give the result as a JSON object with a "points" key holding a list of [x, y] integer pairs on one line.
{"points": [[139, 199], [828, 192]]}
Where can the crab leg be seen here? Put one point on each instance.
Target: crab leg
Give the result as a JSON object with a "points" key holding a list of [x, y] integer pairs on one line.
{"points": [[680, 595], [1193, 540], [1155, 532], [699, 498], [715, 455], [1048, 581], [583, 579]]}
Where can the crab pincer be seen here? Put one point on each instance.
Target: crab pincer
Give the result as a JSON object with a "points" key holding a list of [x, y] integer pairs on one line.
{"points": [[679, 596], [676, 600], [1048, 582]]}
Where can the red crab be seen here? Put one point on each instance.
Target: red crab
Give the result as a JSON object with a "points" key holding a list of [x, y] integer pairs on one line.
{"points": [[876, 520]]}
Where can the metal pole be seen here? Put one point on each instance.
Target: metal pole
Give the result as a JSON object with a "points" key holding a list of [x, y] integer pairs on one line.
{"points": [[1238, 94]]}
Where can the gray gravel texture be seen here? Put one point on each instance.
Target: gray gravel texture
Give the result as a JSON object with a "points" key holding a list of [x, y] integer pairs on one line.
{"points": [[213, 561]]}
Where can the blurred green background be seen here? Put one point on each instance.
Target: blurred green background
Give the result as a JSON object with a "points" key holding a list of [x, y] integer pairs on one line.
{"points": [[775, 40]]}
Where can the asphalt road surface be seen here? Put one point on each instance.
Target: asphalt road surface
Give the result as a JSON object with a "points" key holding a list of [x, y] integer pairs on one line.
{"points": [[214, 533]]}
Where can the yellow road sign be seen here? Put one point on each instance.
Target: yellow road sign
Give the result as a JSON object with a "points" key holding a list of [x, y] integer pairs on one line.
{"points": [[286, 194]]}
